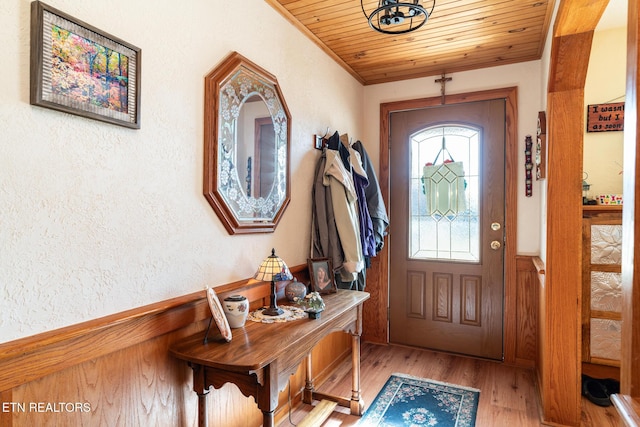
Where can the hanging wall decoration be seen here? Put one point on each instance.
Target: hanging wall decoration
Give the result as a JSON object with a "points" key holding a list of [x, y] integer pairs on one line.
{"points": [[445, 189], [541, 147], [528, 166], [444, 185]]}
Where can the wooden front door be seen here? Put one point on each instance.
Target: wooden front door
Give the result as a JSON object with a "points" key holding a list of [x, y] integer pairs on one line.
{"points": [[447, 206]]}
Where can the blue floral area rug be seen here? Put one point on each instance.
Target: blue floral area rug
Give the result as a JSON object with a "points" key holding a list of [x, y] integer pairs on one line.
{"points": [[411, 401]]}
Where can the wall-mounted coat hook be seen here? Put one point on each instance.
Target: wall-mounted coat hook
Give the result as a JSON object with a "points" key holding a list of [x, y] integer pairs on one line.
{"points": [[319, 142]]}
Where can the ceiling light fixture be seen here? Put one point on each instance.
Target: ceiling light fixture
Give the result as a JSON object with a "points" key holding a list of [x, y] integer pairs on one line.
{"points": [[398, 17]]}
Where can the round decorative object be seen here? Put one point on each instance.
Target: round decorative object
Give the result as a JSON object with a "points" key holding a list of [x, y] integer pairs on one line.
{"points": [[236, 308], [295, 290], [216, 312]]}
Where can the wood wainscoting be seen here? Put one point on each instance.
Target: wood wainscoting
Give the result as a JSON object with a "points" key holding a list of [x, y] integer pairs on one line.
{"points": [[116, 370], [526, 312]]}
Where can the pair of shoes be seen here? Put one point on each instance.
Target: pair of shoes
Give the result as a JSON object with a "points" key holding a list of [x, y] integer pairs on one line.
{"points": [[598, 391]]}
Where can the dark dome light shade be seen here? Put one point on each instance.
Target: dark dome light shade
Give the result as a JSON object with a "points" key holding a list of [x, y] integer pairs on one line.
{"points": [[397, 17]]}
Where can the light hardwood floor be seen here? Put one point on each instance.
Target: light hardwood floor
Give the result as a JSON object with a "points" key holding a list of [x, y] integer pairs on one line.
{"points": [[508, 395]]}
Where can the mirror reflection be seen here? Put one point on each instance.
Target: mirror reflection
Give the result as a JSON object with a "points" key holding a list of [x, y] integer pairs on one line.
{"points": [[257, 157], [248, 186]]}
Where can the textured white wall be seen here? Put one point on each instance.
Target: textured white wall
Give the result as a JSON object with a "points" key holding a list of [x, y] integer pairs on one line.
{"points": [[544, 79], [96, 218], [526, 76]]}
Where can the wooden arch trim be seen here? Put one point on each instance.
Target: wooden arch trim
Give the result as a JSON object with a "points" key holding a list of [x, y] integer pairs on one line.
{"points": [[560, 340]]}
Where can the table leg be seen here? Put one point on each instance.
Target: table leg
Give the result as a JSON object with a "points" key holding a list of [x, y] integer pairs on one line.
{"points": [[268, 419], [203, 418], [266, 394], [357, 404], [201, 391], [307, 393]]}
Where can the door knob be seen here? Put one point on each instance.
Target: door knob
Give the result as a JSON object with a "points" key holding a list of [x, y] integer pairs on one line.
{"points": [[495, 245]]}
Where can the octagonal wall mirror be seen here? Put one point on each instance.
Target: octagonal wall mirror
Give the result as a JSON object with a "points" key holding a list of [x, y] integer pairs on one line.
{"points": [[246, 146]]}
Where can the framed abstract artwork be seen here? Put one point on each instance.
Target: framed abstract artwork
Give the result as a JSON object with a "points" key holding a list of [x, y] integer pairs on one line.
{"points": [[79, 69]]}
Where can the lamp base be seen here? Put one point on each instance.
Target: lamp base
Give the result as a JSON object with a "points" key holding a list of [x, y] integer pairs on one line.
{"points": [[272, 311]]}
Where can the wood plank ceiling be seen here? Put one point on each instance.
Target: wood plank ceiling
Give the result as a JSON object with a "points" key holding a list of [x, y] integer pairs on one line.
{"points": [[460, 35]]}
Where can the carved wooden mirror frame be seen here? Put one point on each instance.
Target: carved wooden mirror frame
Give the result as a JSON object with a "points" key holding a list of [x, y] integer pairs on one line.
{"points": [[229, 88]]}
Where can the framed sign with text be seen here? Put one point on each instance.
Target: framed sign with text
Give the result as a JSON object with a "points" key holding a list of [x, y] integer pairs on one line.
{"points": [[605, 117]]}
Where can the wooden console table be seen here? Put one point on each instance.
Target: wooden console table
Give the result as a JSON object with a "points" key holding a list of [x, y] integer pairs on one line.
{"points": [[261, 357]]}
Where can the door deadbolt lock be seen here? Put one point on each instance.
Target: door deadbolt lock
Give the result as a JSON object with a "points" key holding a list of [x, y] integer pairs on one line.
{"points": [[495, 245], [495, 226]]}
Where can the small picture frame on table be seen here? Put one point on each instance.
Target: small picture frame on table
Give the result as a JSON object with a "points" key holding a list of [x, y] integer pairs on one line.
{"points": [[321, 275]]}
